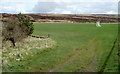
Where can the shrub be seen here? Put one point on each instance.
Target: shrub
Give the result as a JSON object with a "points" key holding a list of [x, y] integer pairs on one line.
{"points": [[16, 28]]}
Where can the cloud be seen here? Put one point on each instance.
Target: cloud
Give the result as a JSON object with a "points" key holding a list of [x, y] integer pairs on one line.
{"points": [[111, 12], [76, 7], [45, 7], [66, 12], [16, 7], [60, 6], [7, 10], [60, 1]]}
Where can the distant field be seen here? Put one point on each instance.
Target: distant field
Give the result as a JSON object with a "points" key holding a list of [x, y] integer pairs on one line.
{"points": [[79, 47]]}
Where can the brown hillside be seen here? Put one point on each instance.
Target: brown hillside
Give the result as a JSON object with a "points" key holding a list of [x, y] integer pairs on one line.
{"points": [[69, 18]]}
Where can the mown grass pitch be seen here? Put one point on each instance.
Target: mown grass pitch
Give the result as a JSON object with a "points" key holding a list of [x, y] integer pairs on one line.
{"points": [[80, 47]]}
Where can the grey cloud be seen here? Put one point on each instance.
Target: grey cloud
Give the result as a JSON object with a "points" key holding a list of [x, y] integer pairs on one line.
{"points": [[61, 7], [75, 8], [45, 7]]}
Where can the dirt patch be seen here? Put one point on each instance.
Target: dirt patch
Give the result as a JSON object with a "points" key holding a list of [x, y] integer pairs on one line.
{"points": [[69, 59], [92, 67], [66, 62]]}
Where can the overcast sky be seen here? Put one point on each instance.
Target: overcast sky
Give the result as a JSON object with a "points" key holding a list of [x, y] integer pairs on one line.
{"points": [[60, 6]]}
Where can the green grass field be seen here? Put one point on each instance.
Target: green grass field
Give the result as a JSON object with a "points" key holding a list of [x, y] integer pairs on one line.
{"points": [[78, 47]]}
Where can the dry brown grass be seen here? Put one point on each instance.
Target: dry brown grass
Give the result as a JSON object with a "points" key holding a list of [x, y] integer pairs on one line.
{"points": [[27, 47]]}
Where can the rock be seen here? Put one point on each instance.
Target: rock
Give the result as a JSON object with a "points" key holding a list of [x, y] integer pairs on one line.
{"points": [[18, 59]]}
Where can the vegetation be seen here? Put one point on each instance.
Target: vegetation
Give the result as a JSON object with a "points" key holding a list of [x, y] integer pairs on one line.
{"points": [[77, 47], [17, 28]]}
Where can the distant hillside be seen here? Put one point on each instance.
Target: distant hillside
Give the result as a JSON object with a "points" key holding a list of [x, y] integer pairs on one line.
{"points": [[70, 18]]}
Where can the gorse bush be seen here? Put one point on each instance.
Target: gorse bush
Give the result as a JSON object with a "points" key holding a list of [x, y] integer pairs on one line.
{"points": [[25, 23], [16, 28]]}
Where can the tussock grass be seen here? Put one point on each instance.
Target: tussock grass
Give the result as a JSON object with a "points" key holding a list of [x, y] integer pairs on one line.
{"points": [[28, 47]]}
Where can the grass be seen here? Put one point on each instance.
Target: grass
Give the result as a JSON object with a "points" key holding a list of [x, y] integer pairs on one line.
{"points": [[78, 47], [23, 51]]}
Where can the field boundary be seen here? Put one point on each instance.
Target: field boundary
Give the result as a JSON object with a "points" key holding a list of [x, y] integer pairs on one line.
{"points": [[108, 57]]}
